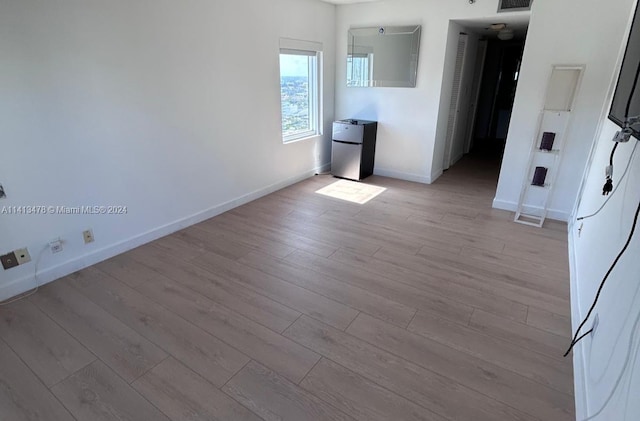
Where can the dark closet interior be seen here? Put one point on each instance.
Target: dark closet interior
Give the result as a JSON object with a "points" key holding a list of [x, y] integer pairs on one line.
{"points": [[497, 93]]}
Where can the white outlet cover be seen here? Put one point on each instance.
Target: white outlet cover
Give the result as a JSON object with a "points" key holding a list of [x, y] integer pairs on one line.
{"points": [[88, 236], [22, 255], [55, 246]]}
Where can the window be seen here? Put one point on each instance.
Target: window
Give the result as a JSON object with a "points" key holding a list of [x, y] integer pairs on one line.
{"points": [[299, 89]]}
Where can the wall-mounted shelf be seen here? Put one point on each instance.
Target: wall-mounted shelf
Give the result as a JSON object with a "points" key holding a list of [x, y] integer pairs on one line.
{"points": [[547, 146]]}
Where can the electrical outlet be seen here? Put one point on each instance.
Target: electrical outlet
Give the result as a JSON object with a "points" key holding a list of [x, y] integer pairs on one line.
{"points": [[88, 236], [596, 321], [23, 256], [9, 261], [3, 195], [55, 246]]}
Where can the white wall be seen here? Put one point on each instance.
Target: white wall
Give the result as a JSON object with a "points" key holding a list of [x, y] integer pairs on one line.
{"points": [[562, 32], [412, 127], [169, 108], [411, 134], [600, 360]]}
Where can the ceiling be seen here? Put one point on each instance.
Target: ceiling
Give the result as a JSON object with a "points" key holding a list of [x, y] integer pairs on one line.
{"points": [[518, 23], [348, 1]]}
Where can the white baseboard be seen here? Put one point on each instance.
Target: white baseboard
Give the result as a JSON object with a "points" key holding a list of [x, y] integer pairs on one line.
{"points": [[402, 175], [580, 387], [324, 168], [556, 214], [436, 175], [50, 274]]}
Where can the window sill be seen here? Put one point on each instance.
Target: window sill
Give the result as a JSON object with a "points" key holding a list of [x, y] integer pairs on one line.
{"points": [[301, 138]]}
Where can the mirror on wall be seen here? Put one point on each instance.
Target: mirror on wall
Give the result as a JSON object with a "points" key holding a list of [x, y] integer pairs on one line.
{"points": [[383, 56]]}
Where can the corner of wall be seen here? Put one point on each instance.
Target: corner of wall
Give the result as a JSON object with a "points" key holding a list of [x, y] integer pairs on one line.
{"points": [[579, 361]]}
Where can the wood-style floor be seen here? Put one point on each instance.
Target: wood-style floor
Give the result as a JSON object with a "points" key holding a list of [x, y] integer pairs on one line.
{"points": [[423, 304]]}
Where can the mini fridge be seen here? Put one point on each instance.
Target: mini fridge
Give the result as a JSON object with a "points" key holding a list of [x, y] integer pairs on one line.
{"points": [[353, 148]]}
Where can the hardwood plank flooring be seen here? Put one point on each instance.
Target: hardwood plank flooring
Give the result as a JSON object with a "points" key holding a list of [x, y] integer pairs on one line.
{"points": [[48, 349], [22, 396], [183, 395], [96, 393], [258, 342], [249, 239], [519, 291], [300, 299], [529, 337], [539, 367], [551, 322], [385, 287], [214, 243], [204, 353], [360, 398], [356, 297], [494, 381], [123, 267], [247, 221], [535, 278], [275, 398], [438, 393], [232, 294], [439, 286], [123, 349], [422, 304]]}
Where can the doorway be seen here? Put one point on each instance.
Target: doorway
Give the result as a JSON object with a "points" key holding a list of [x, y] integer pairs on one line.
{"points": [[496, 95], [485, 59]]}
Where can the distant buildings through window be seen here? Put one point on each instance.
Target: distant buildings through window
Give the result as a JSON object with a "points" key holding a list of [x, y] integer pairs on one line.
{"points": [[299, 92]]}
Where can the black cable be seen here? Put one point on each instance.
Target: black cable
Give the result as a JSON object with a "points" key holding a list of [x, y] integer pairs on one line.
{"points": [[583, 335], [624, 174], [613, 152], [608, 184], [604, 280]]}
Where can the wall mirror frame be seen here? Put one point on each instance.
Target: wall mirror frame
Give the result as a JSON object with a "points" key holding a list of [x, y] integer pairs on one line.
{"points": [[383, 56]]}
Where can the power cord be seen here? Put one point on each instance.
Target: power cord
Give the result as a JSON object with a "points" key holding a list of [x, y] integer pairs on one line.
{"points": [[624, 174], [604, 280], [608, 184]]}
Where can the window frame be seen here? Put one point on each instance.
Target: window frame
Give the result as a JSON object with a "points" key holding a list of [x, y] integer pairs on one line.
{"points": [[314, 51]]}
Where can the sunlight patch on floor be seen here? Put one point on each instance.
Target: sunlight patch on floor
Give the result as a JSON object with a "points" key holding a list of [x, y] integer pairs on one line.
{"points": [[351, 191]]}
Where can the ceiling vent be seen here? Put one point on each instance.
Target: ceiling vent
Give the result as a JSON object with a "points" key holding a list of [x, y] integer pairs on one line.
{"points": [[514, 5]]}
